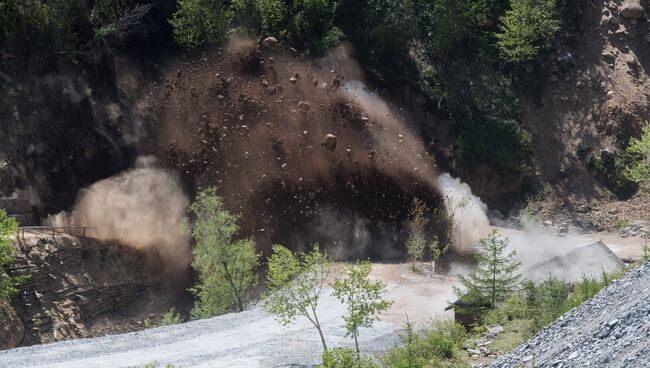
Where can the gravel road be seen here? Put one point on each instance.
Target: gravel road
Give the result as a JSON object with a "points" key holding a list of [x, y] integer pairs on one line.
{"points": [[247, 339], [610, 330]]}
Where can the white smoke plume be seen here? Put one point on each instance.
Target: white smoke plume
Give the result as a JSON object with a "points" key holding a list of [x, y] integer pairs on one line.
{"points": [[142, 208], [471, 223]]}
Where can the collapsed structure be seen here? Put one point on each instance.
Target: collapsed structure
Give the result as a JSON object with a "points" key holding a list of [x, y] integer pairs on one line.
{"points": [[588, 261]]}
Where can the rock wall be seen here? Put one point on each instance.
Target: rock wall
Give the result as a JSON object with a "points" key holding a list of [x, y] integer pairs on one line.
{"points": [[72, 282], [11, 327]]}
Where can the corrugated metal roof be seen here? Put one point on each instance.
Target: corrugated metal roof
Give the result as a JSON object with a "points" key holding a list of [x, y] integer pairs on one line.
{"points": [[590, 260]]}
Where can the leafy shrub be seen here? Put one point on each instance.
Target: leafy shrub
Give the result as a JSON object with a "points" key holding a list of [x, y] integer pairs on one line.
{"points": [[527, 28], [200, 22], [8, 229], [416, 241], [436, 346], [515, 307], [638, 159], [345, 358], [610, 169], [171, 317]]}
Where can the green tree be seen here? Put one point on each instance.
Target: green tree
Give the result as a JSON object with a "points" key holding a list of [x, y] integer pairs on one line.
{"points": [[416, 242], [8, 229], [363, 298], [551, 298], [528, 27], [496, 276], [312, 25], [226, 267], [263, 17], [295, 283], [436, 251], [200, 22], [637, 155]]}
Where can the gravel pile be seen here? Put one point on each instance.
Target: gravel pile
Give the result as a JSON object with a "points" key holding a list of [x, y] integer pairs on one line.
{"points": [[610, 330]]}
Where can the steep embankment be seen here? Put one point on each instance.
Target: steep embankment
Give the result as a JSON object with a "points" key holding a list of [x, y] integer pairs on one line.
{"points": [[78, 287], [592, 95], [610, 330]]}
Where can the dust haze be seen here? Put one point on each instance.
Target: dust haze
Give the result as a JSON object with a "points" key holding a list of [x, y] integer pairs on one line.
{"points": [[142, 208]]}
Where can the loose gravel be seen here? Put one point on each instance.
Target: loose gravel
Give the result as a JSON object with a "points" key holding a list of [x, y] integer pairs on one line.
{"points": [[610, 330]]}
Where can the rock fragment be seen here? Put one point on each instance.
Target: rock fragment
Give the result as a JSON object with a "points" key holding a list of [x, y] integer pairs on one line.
{"points": [[269, 41], [632, 9], [329, 142]]}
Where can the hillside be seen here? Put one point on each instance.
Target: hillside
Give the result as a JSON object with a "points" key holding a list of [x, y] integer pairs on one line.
{"points": [[158, 152]]}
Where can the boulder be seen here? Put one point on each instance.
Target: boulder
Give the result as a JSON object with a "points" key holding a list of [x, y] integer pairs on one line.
{"points": [[12, 330], [269, 41], [632, 9], [329, 142]]}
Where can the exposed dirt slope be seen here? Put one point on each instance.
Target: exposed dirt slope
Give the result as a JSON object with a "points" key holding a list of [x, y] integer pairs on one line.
{"points": [[594, 97]]}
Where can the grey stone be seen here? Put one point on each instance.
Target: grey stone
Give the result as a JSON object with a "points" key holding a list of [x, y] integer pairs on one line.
{"points": [[269, 41], [632, 9]]}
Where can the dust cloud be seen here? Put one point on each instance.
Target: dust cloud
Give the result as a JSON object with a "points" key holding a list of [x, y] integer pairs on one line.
{"points": [[142, 208], [468, 212], [405, 152]]}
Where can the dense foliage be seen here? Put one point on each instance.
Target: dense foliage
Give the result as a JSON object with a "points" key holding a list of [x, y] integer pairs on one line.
{"points": [[527, 27], [458, 53], [438, 345], [345, 358], [637, 158], [226, 266], [200, 22], [8, 229]]}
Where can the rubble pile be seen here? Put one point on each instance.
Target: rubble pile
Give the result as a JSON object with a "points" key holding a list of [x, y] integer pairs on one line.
{"points": [[610, 330]]}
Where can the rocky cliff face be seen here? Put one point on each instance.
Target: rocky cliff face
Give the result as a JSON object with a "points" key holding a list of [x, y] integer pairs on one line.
{"points": [[78, 287], [12, 330]]}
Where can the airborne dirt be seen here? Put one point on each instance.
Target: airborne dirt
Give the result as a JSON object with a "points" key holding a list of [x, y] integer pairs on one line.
{"points": [[301, 152]]}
